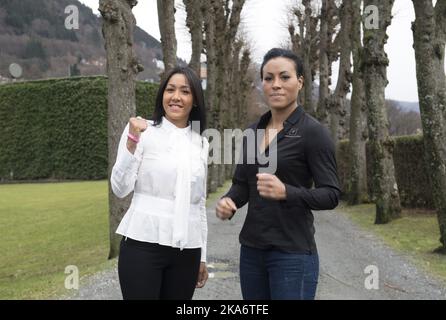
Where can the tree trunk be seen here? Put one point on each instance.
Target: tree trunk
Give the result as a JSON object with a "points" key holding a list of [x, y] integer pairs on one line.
{"points": [[324, 90], [328, 53], [245, 88], [194, 21], [166, 20], [211, 57], [122, 68], [304, 44], [222, 62], [357, 180], [226, 22], [337, 100], [375, 65], [296, 45], [234, 98], [429, 32], [308, 82]]}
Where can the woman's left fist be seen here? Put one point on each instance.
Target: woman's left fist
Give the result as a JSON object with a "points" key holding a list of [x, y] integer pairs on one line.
{"points": [[270, 187]]}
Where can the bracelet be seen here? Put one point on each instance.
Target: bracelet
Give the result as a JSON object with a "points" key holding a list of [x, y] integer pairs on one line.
{"points": [[133, 138]]}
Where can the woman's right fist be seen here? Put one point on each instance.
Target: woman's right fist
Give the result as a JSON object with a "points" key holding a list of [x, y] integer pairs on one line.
{"points": [[137, 125], [225, 208]]}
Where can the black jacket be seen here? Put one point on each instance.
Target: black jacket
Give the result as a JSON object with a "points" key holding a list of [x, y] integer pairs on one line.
{"points": [[305, 154]]}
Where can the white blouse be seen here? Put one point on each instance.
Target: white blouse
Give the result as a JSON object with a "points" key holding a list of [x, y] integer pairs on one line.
{"points": [[167, 173]]}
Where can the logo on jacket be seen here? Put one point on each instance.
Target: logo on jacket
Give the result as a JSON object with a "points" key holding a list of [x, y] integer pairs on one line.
{"points": [[293, 133]]}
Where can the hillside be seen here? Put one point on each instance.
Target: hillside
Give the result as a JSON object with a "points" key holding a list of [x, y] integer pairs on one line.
{"points": [[33, 35], [409, 106]]}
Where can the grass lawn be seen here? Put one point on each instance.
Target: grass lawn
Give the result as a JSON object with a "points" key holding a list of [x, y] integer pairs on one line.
{"points": [[416, 234], [47, 227]]}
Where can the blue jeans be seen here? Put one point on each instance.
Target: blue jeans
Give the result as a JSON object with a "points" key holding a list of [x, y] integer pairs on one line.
{"points": [[277, 275]]}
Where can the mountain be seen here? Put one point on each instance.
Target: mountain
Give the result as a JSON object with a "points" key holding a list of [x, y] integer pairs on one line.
{"points": [[33, 35]]}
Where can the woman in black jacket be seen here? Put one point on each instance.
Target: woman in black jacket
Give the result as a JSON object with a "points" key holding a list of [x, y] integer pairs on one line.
{"points": [[278, 257]]}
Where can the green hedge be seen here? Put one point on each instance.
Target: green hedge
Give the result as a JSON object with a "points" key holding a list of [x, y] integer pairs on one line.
{"points": [[411, 173], [57, 128]]}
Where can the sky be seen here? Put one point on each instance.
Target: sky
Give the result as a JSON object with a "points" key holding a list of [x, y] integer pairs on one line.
{"points": [[264, 24]]}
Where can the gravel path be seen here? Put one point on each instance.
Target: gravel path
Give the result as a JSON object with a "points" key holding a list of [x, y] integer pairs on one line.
{"points": [[345, 252]]}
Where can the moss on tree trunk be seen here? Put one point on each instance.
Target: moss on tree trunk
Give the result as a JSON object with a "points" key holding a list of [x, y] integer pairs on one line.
{"points": [[375, 62], [429, 32], [122, 68]]}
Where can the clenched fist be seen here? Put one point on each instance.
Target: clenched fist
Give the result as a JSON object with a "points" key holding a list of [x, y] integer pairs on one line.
{"points": [[270, 187], [225, 208], [137, 125]]}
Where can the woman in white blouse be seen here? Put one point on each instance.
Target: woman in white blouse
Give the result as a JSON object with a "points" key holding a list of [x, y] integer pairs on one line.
{"points": [[164, 162]]}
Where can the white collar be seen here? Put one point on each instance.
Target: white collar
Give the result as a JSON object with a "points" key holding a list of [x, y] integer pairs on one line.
{"points": [[170, 126]]}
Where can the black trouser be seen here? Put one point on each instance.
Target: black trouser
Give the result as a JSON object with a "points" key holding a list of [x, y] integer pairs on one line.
{"points": [[152, 271]]}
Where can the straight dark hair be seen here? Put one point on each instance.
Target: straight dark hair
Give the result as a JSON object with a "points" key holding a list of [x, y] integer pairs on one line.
{"points": [[278, 52], [198, 112]]}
